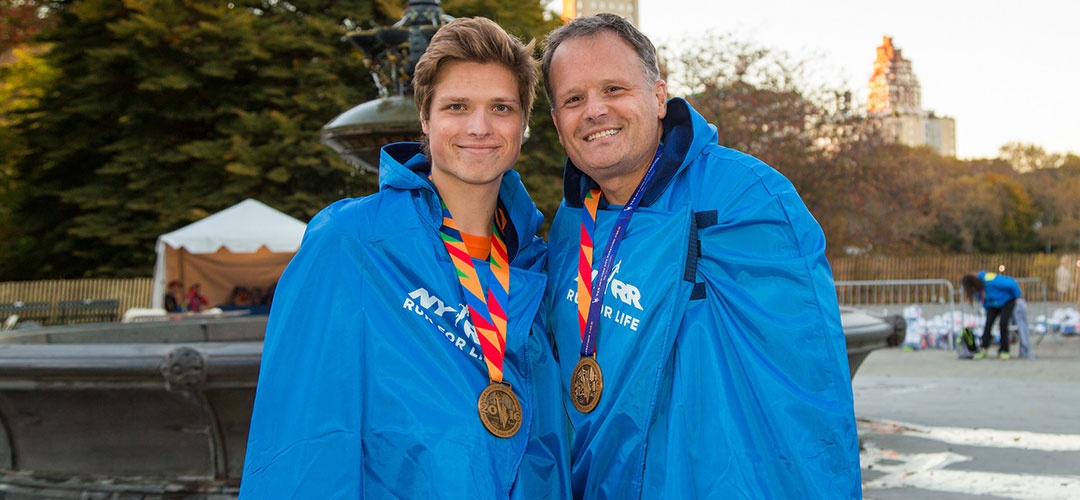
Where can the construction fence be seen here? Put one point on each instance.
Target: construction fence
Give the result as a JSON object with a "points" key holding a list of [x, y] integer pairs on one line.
{"points": [[1037, 273]]}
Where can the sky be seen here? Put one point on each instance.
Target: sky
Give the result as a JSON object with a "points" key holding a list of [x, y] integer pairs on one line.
{"points": [[1005, 71]]}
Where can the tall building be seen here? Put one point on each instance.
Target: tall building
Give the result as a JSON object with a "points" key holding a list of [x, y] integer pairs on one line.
{"points": [[896, 99], [578, 8]]}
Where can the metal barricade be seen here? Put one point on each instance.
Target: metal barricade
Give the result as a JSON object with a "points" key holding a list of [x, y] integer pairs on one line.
{"points": [[940, 293], [903, 292]]}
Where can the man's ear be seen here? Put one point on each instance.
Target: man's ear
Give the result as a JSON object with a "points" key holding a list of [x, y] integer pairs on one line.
{"points": [[423, 126], [555, 120], [660, 89]]}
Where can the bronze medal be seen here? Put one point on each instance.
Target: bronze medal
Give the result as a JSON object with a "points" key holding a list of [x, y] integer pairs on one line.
{"points": [[586, 385], [500, 411]]}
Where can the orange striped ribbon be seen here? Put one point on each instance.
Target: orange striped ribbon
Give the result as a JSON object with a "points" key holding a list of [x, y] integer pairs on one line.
{"points": [[486, 311]]}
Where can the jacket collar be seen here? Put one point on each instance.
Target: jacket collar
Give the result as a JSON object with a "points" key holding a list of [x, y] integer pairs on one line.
{"points": [[404, 167]]}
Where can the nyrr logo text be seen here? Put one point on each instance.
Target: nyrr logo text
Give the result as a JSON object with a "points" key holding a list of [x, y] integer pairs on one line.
{"points": [[626, 293], [426, 305]]}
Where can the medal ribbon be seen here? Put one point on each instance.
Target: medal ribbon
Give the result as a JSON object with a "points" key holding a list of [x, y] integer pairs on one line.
{"points": [[590, 292], [487, 314]]}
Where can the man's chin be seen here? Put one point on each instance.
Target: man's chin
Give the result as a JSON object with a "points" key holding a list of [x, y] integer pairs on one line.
{"points": [[591, 166]]}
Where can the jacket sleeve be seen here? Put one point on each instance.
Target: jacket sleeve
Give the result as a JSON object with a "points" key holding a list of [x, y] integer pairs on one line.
{"points": [[780, 348], [304, 440], [1015, 290]]}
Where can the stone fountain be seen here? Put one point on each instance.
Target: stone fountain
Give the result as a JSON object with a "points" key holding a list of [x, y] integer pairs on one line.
{"points": [[392, 54]]}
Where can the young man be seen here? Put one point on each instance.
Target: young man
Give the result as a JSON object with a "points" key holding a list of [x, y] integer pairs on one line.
{"points": [[404, 356], [695, 315]]}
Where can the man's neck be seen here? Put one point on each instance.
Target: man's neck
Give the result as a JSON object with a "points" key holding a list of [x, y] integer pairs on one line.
{"points": [[472, 206], [618, 190]]}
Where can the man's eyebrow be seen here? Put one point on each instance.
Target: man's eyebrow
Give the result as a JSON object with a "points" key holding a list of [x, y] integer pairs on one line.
{"points": [[568, 90], [456, 99], [622, 82]]}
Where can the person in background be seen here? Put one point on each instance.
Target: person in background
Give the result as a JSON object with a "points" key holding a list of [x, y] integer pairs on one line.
{"points": [[174, 297], [1023, 330], [405, 356], [241, 296], [694, 312], [998, 295], [1063, 277], [195, 300]]}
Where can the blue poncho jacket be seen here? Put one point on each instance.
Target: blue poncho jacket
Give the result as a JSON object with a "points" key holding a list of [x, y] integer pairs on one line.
{"points": [[724, 360], [371, 373], [998, 289]]}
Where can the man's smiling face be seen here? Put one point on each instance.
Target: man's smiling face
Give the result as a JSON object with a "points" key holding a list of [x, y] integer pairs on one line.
{"points": [[606, 110]]}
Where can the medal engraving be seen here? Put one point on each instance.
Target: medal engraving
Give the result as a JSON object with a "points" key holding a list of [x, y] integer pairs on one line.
{"points": [[586, 385], [500, 411]]}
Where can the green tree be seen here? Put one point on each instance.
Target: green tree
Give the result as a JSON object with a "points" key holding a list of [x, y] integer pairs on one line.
{"points": [[21, 84], [164, 112]]}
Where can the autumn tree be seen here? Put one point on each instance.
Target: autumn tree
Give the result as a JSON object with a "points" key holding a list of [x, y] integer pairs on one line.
{"points": [[20, 20], [1025, 157], [1056, 193], [765, 103], [985, 213]]}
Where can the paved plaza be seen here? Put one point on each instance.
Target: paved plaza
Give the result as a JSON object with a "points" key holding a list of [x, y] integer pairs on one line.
{"points": [[935, 427]]}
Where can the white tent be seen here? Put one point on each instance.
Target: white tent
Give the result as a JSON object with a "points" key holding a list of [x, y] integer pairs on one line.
{"points": [[246, 245]]}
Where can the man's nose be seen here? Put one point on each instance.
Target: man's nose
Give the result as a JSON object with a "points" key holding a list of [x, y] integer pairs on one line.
{"points": [[479, 123], [595, 106]]}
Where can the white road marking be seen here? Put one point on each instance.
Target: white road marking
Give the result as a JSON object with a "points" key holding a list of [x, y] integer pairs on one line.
{"points": [[928, 471], [982, 437]]}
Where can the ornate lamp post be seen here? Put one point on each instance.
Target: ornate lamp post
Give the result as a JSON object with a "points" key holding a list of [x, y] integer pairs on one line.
{"points": [[392, 53]]}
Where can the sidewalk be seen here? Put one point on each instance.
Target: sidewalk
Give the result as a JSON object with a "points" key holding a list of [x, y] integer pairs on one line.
{"points": [[1057, 358], [934, 387]]}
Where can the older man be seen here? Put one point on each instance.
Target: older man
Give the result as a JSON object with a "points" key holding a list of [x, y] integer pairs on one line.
{"points": [[693, 308]]}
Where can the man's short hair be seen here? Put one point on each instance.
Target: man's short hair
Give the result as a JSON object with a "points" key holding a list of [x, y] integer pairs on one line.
{"points": [[479, 40], [592, 25]]}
